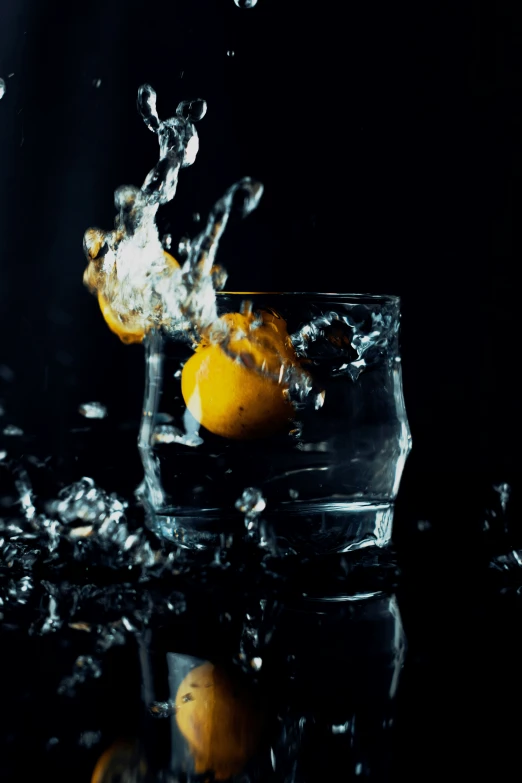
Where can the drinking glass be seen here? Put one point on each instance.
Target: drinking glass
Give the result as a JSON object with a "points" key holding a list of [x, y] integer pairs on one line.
{"points": [[327, 478]]}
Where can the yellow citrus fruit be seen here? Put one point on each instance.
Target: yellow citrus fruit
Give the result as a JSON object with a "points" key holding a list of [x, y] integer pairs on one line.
{"points": [[119, 762], [123, 325], [216, 716], [232, 385]]}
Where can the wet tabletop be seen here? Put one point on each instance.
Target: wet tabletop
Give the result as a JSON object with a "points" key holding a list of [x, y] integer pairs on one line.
{"points": [[382, 662]]}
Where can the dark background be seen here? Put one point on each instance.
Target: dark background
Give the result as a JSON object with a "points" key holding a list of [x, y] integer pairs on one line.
{"points": [[389, 140]]}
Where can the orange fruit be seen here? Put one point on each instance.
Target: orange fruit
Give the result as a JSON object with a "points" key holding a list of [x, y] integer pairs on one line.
{"points": [[231, 384], [125, 326], [119, 762], [216, 716]]}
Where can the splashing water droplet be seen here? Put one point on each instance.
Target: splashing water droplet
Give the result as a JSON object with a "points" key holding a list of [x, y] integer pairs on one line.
{"points": [[184, 248], [88, 739], [93, 410], [13, 431], [245, 3], [251, 503], [166, 433], [2, 88], [162, 709]]}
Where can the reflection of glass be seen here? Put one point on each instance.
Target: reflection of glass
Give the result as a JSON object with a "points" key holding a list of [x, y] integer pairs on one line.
{"points": [[328, 465], [321, 701]]}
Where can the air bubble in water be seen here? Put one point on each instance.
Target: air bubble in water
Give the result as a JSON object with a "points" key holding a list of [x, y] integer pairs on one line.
{"points": [[245, 3], [2, 88], [93, 410]]}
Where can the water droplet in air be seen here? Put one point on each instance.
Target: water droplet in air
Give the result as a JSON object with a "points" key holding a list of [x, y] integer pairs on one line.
{"points": [[89, 738], [196, 217], [2, 88], [245, 3], [294, 494], [167, 241], [183, 248], [256, 663], [251, 502], [93, 410], [12, 431], [3, 455], [96, 83], [231, 53]]}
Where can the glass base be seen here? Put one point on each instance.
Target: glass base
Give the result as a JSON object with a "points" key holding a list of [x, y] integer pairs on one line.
{"points": [[302, 528]]}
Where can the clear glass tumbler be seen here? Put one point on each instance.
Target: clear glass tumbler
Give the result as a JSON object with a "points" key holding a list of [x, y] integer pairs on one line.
{"points": [[321, 473]]}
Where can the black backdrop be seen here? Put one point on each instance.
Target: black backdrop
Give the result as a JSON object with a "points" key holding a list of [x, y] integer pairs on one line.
{"points": [[389, 140]]}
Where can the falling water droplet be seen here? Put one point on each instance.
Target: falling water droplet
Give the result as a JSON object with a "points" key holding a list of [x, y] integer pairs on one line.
{"points": [[2, 88], [245, 3]]}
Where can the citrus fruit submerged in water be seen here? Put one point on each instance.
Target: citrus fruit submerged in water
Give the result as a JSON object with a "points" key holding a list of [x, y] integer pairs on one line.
{"points": [[233, 383]]}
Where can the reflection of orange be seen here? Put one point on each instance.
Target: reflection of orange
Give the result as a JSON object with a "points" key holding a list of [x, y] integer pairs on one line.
{"points": [[215, 715], [120, 762], [123, 325], [231, 385]]}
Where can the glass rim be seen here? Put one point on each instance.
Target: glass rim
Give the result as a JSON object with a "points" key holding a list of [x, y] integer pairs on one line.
{"points": [[339, 296]]}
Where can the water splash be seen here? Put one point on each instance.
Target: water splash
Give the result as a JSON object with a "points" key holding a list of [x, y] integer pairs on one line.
{"points": [[127, 266]]}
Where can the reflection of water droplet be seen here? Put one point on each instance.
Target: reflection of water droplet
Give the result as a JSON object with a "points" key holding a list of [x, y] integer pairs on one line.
{"points": [[13, 431], [245, 3], [2, 88], [231, 53], [93, 410]]}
